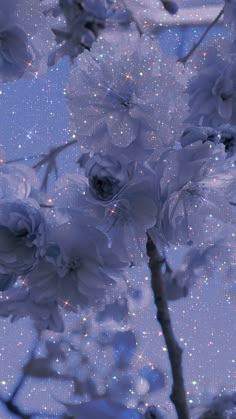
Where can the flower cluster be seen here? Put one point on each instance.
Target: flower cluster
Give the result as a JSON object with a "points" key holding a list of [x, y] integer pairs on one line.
{"points": [[140, 174], [142, 178], [83, 21]]}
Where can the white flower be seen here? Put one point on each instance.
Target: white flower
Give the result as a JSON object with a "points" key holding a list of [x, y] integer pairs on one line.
{"points": [[212, 92], [125, 216], [123, 96], [79, 269], [22, 236], [195, 189], [107, 175]]}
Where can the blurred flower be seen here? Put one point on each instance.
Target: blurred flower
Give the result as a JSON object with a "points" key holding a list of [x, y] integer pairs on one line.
{"points": [[124, 346], [212, 91], [22, 236], [176, 284], [124, 97], [117, 311], [79, 269]]}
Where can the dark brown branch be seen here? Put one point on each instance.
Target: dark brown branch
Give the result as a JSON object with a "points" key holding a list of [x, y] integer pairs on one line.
{"points": [[195, 46], [178, 394]]}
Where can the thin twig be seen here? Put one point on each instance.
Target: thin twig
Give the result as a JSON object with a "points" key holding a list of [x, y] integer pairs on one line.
{"points": [[49, 159], [195, 46], [36, 156], [178, 394]]}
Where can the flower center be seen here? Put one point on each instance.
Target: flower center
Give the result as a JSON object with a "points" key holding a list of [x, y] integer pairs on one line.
{"points": [[73, 264], [104, 187]]}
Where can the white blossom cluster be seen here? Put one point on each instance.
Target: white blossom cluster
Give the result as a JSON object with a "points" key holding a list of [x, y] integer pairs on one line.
{"points": [[138, 175], [148, 167]]}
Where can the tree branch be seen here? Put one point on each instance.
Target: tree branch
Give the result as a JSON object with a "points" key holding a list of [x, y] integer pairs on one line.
{"points": [[178, 394], [195, 46], [48, 159]]}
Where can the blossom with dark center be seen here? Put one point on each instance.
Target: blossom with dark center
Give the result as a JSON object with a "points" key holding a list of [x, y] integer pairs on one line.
{"points": [[107, 175], [22, 236]]}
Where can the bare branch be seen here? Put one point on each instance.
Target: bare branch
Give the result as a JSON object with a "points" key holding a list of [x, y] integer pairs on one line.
{"points": [[178, 394], [195, 46], [51, 160]]}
